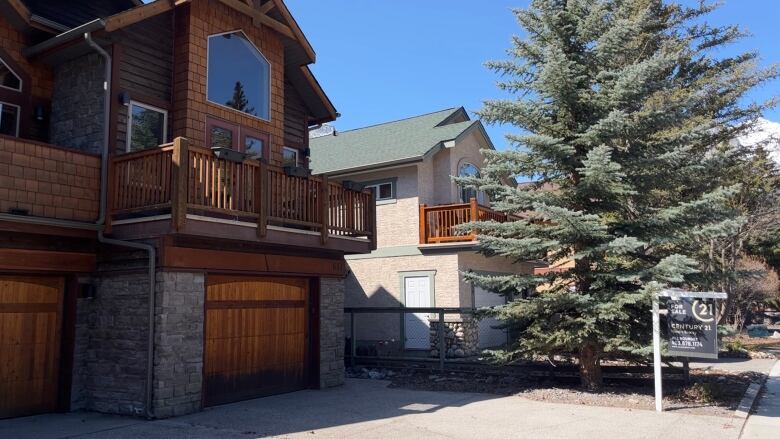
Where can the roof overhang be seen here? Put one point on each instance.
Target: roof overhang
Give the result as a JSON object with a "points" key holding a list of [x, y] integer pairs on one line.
{"points": [[373, 167], [66, 45]]}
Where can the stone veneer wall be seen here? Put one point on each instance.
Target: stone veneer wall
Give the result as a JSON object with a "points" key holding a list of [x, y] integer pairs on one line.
{"points": [[111, 336], [178, 355], [77, 104], [110, 353], [331, 332], [461, 338]]}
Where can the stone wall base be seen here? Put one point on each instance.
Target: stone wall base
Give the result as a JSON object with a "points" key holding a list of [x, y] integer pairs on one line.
{"points": [[461, 338]]}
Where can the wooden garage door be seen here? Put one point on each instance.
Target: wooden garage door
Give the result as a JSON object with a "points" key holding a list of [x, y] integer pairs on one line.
{"points": [[256, 337], [30, 321]]}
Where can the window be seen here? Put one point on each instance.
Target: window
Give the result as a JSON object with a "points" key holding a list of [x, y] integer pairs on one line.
{"points": [[8, 78], [222, 134], [290, 157], [254, 146], [146, 126], [467, 193], [9, 119], [239, 76], [383, 191]]}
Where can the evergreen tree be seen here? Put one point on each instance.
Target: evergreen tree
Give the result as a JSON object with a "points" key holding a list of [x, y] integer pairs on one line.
{"points": [[620, 106], [239, 100]]}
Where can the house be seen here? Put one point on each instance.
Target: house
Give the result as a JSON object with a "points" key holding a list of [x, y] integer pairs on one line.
{"points": [[163, 246], [421, 255]]}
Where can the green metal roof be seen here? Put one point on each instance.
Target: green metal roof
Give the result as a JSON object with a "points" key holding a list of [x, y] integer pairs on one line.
{"points": [[386, 143]]}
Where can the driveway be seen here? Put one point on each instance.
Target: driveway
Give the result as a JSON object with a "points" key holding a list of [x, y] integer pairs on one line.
{"points": [[369, 409]]}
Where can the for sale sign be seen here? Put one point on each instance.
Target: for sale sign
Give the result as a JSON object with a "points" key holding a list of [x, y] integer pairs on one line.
{"points": [[693, 327]]}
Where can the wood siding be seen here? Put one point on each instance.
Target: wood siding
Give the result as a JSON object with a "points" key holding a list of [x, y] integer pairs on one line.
{"points": [[48, 181], [257, 340], [30, 326], [145, 61], [194, 23], [296, 127]]}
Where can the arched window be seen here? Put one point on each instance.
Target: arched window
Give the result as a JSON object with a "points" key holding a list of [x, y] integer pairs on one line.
{"points": [[467, 193], [239, 76]]}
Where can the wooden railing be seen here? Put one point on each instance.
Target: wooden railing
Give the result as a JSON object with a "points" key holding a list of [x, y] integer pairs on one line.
{"points": [[350, 211], [439, 224], [142, 180], [182, 178]]}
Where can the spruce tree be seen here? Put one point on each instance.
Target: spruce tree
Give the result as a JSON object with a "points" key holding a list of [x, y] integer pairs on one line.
{"points": [[239, 100], [619, 106]]}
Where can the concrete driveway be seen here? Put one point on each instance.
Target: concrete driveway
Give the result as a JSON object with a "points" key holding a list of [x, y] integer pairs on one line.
{"points": [[368, 409]]}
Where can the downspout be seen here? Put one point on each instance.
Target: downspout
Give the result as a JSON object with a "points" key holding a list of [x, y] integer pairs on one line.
{"points": [[149, 249]]}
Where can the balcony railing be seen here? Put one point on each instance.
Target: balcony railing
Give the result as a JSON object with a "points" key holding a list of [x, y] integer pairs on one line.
{"points": [[180, 179], [439, 224]]}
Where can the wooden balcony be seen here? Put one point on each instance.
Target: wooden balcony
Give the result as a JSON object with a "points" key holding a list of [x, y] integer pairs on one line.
{"points": [[439, 224], [182, 184], [47, 181]]}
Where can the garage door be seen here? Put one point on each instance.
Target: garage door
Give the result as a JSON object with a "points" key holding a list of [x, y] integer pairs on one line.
{"points": [[30, 320], [489, 335], [256, 337]]}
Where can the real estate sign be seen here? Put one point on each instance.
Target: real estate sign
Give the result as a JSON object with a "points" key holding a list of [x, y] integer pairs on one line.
{"points": [[693, 327]]}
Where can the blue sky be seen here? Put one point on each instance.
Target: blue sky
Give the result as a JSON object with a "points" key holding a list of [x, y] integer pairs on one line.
{"points": [[386, 60]]}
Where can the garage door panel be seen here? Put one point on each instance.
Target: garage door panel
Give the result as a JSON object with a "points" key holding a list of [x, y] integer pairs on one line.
{"points": [[256, 341], [30, 320]]}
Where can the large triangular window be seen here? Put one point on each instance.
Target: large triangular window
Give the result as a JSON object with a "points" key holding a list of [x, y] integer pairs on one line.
{"points": [[9, 78], [239, 76]]}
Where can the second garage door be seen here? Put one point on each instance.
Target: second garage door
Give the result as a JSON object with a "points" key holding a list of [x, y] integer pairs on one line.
{"points": [[257, 340]]}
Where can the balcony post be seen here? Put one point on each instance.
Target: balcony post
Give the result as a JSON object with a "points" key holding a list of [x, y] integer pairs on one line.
{"points": [[423, 225], [474, 215], [372, 218], [179, 177], [325, 208], [110, 194], [261, 199]]}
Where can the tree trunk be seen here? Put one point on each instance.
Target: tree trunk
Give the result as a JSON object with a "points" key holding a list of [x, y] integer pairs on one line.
{"points": [[590, 367]]}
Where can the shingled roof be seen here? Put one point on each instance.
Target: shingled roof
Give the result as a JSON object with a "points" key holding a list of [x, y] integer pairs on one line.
{"points": [[388, 143]]}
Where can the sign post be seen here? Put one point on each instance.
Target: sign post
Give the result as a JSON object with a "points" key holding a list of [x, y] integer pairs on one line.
{"points": [[693, 329]]}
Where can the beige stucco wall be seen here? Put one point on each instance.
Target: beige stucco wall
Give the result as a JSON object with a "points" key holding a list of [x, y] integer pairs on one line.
{"points": [[397, 222], [447, 163], [477, 262], [376, 282]]}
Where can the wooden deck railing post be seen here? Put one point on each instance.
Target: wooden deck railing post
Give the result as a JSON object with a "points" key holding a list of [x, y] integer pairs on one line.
{"points": [[262, 194], [110, 194], [423, 225], [324, 208], [372, 219], [474, 214], [179, 177]]}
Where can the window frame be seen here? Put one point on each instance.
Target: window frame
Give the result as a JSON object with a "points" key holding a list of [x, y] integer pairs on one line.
{"points": [[240, 133], [18, 116], [297, 155], [270, 75], [462, 189], [11, 69], [244, 132], [128, 140], [393, 190]]}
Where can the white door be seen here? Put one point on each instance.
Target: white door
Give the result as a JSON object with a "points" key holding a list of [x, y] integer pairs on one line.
{"points": [[417, 294], [489, 336]]}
